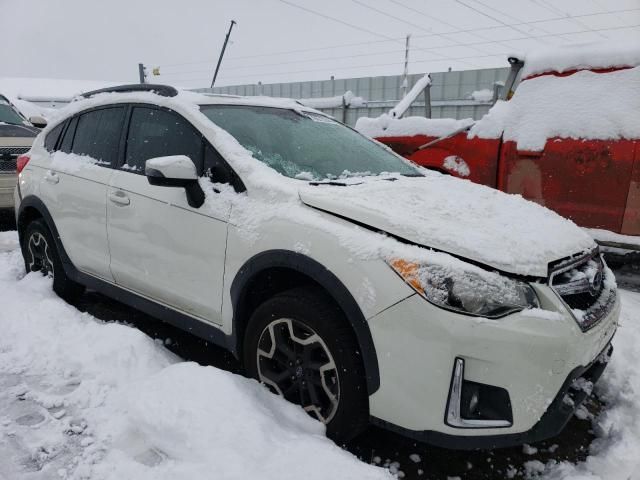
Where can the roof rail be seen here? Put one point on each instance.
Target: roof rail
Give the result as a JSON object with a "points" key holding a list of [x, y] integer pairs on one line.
{"points": [[163, 90]]}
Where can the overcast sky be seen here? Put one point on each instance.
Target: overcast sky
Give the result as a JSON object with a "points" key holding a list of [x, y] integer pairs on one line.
{"points": [[290, 40]]}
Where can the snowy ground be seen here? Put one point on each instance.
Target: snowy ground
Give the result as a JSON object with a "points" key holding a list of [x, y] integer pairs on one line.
{"points": [[84, 398]]}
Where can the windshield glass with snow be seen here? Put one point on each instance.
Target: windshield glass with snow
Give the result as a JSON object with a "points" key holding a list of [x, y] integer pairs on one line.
{"points": [[305, 145], [8, 114]]}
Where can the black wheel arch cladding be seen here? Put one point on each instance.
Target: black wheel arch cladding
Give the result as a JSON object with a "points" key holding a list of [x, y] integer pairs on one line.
{"points": [[318, 273]]}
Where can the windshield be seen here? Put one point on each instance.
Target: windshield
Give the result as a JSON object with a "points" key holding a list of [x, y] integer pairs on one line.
{"points": [[8, 114], [305, 145]]}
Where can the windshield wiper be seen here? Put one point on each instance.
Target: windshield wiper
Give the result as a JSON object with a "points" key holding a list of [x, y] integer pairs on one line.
{"points": [[332, 182]]}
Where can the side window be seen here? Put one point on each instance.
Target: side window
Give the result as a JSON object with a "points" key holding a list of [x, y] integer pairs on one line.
{"points": [[158, 133], [98, 134], [52, 137], [67, 140]]}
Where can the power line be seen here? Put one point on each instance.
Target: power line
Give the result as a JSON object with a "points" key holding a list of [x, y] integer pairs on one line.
{"points": [[279, 73], [388, 15], [439, 20], [424, 49], [399, 39], [359, 2], [484, 14], [342, 22]]}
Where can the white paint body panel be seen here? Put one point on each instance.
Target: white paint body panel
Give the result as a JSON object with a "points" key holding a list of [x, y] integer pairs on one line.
{"points": [[165, 250]]}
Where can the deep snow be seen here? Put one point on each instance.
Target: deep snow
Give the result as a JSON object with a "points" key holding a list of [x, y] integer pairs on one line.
{"points": [[81, 398]]}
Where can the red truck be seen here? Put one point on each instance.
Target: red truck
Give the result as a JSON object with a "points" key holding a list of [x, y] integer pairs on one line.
{"points": [[568, 138]]}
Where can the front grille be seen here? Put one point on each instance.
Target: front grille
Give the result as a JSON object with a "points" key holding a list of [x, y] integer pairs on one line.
{"points": [[587, 288], [7, 165], [13, 151]]}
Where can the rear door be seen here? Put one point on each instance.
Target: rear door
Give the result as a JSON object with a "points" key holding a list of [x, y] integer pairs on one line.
{"points": [[160, 246], [75, 186]]}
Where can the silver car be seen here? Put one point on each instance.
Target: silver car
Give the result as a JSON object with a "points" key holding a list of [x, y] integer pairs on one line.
{"points": [[16, 137]]}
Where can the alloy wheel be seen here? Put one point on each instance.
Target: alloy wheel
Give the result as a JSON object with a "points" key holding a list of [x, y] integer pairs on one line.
{"points": [[294, 362]]}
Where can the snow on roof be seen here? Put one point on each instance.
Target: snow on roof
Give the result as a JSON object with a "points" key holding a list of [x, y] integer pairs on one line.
{"points": [[585, 105], [385, 126], [580, 57]]}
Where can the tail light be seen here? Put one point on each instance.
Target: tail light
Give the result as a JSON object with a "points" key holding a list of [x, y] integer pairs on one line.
{"points": [[22, 161]]}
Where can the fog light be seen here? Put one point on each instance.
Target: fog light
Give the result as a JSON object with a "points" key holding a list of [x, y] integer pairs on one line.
{"points": [[476, 405]]}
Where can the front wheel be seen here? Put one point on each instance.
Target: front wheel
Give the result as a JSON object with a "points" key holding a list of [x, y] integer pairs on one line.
{"points": [[41, 255], [299, 345]]}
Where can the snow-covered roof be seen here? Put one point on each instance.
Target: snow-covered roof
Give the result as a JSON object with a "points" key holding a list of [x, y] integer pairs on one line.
{"points": [[563, 58], [585, 105], [385, 126]]}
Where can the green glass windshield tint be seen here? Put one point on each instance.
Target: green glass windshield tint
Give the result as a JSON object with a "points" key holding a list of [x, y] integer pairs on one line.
{"points": [[8, 114], [304, 145]]}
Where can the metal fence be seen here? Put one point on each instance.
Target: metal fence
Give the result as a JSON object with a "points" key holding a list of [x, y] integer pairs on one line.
{"points": [[451, 93]]}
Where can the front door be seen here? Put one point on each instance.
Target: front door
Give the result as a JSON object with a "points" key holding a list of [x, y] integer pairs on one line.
{"points": [[160, 246]]}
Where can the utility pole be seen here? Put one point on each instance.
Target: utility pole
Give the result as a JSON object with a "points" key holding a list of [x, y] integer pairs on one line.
{"points": [[141, 73], [405, 79], [224, 47]]}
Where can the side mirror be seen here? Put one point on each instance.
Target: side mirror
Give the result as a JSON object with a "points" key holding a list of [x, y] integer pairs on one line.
{"points": [[38, 121], [175, 171]]}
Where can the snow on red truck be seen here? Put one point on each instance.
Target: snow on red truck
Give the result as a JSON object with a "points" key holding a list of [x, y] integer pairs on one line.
{"points": [[568, 139]]}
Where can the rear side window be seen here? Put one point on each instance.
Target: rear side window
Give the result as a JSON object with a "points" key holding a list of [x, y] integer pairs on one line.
{"points": [[158, 133], [98, 135], [67, 139], [52, 137]]}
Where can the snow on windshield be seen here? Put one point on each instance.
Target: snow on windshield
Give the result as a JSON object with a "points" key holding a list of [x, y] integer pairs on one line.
{"points": [[304, 144]]}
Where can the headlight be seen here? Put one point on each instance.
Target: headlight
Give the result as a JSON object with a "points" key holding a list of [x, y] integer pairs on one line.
{"points": [[472, 291]]}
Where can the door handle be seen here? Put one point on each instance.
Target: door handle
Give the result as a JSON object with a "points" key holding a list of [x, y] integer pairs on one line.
{"points": [[52, 177], [119, 197]]}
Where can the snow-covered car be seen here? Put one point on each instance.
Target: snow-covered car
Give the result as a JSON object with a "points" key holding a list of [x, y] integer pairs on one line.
{"points": [[16, 136], [344, 278]]}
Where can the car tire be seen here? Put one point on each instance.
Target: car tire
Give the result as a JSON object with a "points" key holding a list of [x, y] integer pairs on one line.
{"points": [[299, 344], [41, 254]]}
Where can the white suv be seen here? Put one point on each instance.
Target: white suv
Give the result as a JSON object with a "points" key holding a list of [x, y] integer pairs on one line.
{"points": [[343, 277]]}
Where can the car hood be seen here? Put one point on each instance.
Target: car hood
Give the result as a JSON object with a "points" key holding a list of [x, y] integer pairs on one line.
{"points": [[500, 230], [10, 130]]}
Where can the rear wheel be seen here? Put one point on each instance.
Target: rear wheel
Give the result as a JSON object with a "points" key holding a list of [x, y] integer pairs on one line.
{"points": [[41, 255], [299, 345]]}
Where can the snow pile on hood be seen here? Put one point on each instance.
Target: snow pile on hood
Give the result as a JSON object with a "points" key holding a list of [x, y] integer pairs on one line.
{"points": [[562, 58], [459, 217], [385, 126], [597, 106], [83, 399]]}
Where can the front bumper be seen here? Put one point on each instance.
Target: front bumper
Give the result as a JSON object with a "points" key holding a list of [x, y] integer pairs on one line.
{"points": [[571, 395], [535, 357]]}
